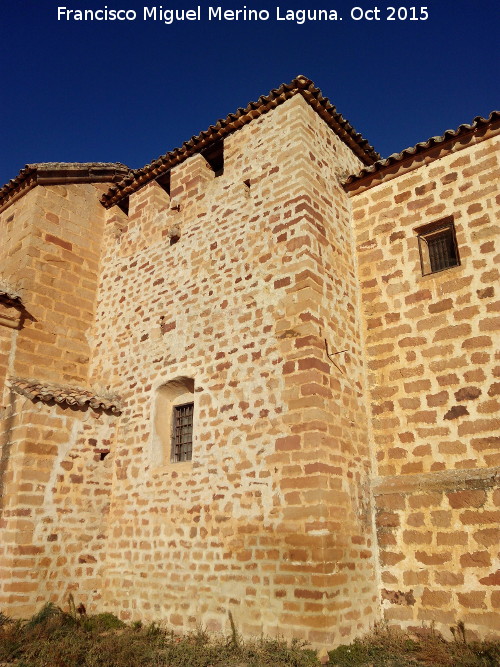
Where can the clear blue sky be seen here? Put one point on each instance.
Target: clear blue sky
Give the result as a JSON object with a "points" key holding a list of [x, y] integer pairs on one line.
{"points": [[130, 91]]}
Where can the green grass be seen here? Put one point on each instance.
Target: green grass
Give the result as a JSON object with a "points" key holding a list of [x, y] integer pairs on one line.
{"points": [[55, 638]]}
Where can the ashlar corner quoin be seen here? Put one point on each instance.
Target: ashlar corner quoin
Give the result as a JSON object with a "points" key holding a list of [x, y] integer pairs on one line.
{"points": [[259, 375]]}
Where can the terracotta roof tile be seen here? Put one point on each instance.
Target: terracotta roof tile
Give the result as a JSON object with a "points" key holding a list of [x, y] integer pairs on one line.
{"points": [[53, 173], [46, 392], [450, 135], [223, 127]]}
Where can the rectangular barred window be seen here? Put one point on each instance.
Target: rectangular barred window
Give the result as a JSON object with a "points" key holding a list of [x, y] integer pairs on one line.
{"points": [[182, 432], [437, 244]]}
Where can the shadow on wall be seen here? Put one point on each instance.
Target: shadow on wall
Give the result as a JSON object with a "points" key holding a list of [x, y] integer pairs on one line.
{"points": [[6, 443]]}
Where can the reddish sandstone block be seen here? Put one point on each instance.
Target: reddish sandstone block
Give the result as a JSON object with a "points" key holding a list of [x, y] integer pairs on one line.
{"points": [[425, 500], [432, 558], [416, 578], [476, 559], [440, 306], [434, 400], [449, 578], [433, 598], [482, 444], [386, 539], [488, 537], [288, 443], [451, 539], [467, 393], [387, 520], [444, 380], [477, 342], [494, 389], [470, 517], [468, 498], [456, 412], [477, 426], [50, 238], [391, 501], [472, 600], [412, 537], [441, 518], [391, 558], [456, 331], [492, 579]]}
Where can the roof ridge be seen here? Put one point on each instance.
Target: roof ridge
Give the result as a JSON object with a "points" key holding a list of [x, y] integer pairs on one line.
{"points": [[299, 85], [422, 146]]}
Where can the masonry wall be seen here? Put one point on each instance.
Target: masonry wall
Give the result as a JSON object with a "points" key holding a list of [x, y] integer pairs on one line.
{"points": [[51, 243], [53, 485], [433, 378], [270, 519], [16, 229], [7, 341], [327, 371]]}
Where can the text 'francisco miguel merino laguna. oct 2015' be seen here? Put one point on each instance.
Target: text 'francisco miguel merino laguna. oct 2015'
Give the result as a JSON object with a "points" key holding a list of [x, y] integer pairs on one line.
{"points": [[169, 16]]}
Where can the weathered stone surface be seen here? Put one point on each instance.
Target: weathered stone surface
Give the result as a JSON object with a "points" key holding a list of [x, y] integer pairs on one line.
{"points": [[318, 358]]}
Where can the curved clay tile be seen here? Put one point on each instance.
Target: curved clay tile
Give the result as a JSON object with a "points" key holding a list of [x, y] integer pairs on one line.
{"points": [[422, 146], [301, 85], [46, 392]]}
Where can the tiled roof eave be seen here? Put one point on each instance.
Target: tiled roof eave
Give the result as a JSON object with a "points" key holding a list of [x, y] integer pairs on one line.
{"points": [[423, 152], [301, 85], [56, 173], [76, 397]]}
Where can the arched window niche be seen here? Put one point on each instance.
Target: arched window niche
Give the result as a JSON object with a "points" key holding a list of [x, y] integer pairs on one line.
{"points": [[174, 411]]}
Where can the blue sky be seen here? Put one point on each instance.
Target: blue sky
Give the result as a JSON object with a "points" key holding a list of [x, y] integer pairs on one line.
{"points": [[130, 91]]}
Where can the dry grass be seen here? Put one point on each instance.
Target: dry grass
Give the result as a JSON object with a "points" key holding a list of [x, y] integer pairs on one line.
{"points": [[54, 638], [390, 647]]}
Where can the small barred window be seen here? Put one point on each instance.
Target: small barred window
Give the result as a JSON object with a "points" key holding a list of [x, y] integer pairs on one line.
{"points": [[437, 244], [173, 433], [182, 432]]}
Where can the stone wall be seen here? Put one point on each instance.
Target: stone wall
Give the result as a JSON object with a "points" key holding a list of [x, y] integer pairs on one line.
{"points": [[433, 378], [325, 370], [271, 519], [52, 487], [8, 336], [55, 485], [50, 255]]}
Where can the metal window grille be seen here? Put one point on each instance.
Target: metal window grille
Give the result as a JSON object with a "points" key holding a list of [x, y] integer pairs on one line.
{"points": [[442, 251], [182, 432], [438, 247]]}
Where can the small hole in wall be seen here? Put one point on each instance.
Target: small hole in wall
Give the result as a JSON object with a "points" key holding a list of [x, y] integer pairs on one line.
{"points": [[123, 205], [214, 155], [247, 183], [103, 455], [164, 182], [174, 234]]}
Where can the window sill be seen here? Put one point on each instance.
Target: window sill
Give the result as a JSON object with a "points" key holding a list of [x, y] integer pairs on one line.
{"points": [[444, 274], [170, 467]]}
